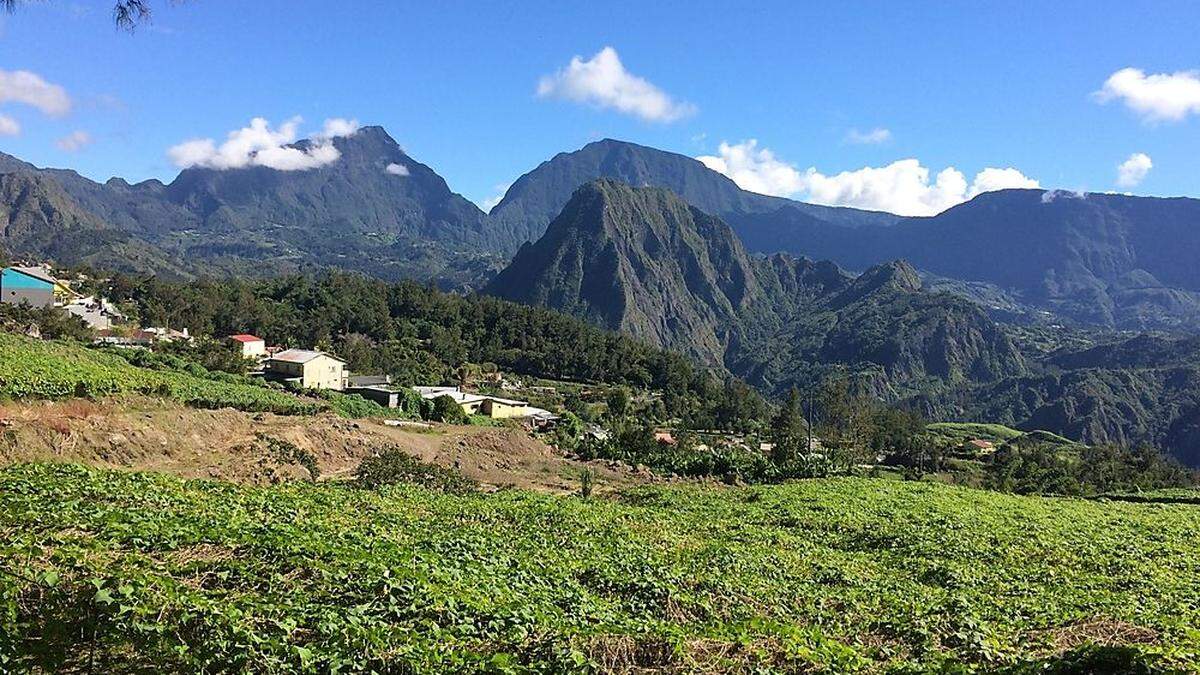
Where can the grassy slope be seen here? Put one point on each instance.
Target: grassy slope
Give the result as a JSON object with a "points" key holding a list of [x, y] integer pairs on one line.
{"points": [[965, 431], [847, 573], [42, 369]]}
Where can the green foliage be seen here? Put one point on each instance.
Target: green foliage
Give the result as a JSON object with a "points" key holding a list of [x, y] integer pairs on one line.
{"points": [[290, 453], [587, 479], [357, 407], [617, 401], [36, 369], [149, 573], [1029, 466], [958, 432], [635, 444], [420, 335], [446, 409], [393, 465], [52, 323]]}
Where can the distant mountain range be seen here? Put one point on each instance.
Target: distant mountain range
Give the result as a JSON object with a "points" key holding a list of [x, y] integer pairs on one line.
{"points": [[1111, 261], [705, 267], [352, 214], [643, 261]]}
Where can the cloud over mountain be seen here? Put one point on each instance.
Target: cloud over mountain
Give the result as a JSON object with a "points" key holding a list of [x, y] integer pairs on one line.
{"points": [[74, 141], [259, 145], [1133, 170], [604, 82], [904, 187]]}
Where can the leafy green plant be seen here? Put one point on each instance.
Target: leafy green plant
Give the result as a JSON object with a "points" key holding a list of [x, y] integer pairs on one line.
{"points": [[393, 465], [148, 573]]}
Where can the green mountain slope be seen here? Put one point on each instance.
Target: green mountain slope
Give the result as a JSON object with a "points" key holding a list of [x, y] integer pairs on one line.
{"points": [[1139, 389], [40, 222], [1114, 261], [643, 261]]}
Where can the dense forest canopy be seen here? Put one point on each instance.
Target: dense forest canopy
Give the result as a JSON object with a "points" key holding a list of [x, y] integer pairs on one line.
{"points": [[418, 334]]}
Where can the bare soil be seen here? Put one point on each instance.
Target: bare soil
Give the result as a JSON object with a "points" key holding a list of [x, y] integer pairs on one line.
{"points": [[151, 435]]}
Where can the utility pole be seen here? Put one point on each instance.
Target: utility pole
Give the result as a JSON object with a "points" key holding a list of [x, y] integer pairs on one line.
{"points": [[808, 419]]}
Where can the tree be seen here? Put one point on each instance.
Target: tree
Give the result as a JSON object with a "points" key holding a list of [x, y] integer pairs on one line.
{"points": [[789, 431], [617, 401], [127, 14], [446, 409]]}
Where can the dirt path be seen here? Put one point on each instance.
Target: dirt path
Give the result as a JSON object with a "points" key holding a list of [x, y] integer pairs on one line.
{"points": [[148, 434]]}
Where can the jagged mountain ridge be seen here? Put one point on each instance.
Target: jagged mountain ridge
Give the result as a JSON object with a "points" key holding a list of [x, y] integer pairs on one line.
{"points": [[643, 261], [535, 198], [39, 219], [351, 214], [1114, 261]]}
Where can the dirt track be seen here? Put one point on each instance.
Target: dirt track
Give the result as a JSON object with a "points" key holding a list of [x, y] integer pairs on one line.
{"points": [[147, 434]]}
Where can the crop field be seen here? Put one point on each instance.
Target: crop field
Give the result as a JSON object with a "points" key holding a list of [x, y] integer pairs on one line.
{"points": [[53, 370], [127, 572]]}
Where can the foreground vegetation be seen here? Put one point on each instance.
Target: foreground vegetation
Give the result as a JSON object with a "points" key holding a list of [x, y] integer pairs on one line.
{"points": [[119, 571]]}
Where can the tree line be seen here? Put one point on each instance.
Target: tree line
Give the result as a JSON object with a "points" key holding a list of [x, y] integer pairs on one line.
{"points": [[420, 335]]}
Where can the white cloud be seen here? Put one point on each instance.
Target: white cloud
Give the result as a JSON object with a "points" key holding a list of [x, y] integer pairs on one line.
{"points": [[755, 169], [1051, 195], [992, 179], [337, 127], [1133, 170], [873, 137], [498, 192], [396, 169], [1159, 97], [904, 187], [604, 82], [74, 141], [22, 86], [9, 126], [260, 145]]}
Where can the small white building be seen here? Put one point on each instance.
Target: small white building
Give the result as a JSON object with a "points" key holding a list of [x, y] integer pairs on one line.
{"points": [[251, 347]]}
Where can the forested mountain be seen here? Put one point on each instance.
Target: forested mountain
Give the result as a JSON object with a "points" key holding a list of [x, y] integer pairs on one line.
{"points": [[1108, 260], [39, 219], [1105, 260], [1139, 389], [643, 261]]}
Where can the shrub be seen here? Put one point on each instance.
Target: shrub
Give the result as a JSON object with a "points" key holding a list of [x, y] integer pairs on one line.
{"points": [[393, 465], [445, 409]]}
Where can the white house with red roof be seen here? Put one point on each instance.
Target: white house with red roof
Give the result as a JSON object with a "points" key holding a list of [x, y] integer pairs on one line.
{"points": [[252, 347]]}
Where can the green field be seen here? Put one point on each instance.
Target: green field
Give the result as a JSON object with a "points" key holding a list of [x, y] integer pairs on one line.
{"points": [[55, 370], [123, 572], [965, 431]]}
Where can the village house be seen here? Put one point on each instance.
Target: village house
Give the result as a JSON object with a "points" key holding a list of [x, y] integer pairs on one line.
{"points": [[307, 368], [99, 314], [495, 407], [34, 285], [250, 346], [377, 388]]}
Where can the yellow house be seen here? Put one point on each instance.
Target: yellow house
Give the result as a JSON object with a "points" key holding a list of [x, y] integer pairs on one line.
{"points": [[309, 368], [503, 408]]}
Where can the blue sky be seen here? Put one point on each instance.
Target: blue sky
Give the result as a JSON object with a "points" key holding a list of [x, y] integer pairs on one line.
{"points": [[965, 85]]}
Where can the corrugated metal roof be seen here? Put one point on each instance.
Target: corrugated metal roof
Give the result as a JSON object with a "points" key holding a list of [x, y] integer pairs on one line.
{"points": [[301, 356], [37, 273]]}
